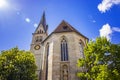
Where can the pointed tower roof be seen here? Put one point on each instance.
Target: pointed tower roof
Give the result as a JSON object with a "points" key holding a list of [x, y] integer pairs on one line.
{"points": [[43, 22], [66, 27]]}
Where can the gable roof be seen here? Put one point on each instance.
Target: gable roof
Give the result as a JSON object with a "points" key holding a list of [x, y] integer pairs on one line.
{"points": [[65, 27]]}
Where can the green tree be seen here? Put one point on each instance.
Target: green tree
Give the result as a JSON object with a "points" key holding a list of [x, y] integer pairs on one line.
{"points": [[101, 61], [17, 64]]}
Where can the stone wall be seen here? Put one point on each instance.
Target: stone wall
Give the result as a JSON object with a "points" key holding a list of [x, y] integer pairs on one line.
{"points": [[54, 62]]}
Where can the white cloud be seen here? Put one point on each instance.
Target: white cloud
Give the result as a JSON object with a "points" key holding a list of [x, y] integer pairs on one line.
{"points": [[107, 4], [27, 20], [106, 31], [116, 29], [35, 25]]}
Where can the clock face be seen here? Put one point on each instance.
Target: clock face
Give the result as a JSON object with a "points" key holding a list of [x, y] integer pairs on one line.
{"points": [[37, 47]]}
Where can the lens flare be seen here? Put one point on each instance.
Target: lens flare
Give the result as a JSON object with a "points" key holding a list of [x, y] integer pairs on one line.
{"points": [[3, 4]]}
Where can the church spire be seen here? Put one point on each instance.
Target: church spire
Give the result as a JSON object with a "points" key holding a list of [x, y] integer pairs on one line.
{"points": [[43, 23]]}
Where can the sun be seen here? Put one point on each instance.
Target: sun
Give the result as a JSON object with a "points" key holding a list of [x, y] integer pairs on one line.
{"points": [[3, 4]]}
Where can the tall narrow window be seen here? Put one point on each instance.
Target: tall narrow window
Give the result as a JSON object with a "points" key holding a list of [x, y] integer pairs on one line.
{"points": [[64, 50], [40, 30], [36, 38], [46, 75], [81, 49], [40, 38]]}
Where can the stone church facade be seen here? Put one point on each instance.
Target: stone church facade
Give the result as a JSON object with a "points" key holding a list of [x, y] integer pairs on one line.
{"points": [[57, 54]]}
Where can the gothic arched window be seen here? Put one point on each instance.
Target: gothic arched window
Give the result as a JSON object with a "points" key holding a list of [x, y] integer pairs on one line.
{"points": [[40, 30], [40, 38], [81, 48], [64, 50], [36, 38]]}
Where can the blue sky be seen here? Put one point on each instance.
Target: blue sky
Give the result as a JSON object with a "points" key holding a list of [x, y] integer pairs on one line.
{"points": [[93, 18]]}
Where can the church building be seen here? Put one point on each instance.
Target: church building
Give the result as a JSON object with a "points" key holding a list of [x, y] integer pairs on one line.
{"points": [[56, 54]]}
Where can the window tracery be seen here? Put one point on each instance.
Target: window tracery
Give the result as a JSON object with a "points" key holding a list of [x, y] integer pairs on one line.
{"points": [[64, 50]]}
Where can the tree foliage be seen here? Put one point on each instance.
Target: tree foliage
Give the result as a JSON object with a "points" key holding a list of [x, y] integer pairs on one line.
{"points": [[17, 64], [101, 61]]}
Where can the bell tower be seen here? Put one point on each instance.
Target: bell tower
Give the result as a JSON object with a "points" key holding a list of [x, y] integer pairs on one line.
{"points": [[39, 35]]}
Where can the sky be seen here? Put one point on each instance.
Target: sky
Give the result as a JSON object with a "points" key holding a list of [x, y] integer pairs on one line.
{"points": [[92, 18]]}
